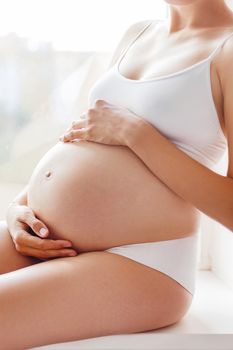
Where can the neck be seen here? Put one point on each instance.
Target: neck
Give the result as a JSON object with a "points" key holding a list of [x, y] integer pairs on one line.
{"points": [[198, 15]]}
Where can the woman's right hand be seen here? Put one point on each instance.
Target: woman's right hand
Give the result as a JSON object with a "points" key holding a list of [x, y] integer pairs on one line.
{"points": [[21, 220]]}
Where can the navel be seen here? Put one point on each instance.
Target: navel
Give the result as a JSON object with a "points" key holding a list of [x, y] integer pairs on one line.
{"points": [[48, 174]]}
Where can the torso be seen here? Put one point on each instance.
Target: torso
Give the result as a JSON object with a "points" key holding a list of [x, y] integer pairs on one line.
{"points": [[101, 196]]}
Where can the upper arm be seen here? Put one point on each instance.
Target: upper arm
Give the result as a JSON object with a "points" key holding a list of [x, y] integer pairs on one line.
{"points": [[226, 77], [126, 38]]}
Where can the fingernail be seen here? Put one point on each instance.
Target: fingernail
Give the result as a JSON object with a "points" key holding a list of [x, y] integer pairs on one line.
{"points": [[67, 244], [43, 231], [73, 253]]}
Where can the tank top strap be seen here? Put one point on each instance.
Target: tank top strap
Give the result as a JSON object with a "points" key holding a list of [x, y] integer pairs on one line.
{"points": [[134, 39], [219, 46]]}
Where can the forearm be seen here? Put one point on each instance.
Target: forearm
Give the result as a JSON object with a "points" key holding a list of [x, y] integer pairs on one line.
{"points": [[208, 191]]}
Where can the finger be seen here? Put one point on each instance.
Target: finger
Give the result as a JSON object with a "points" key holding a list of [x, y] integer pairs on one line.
{"points": [[47, 254], [74, 134], [76, 124], [79, 124], [69, 132], [24, 238], [35, 224]]}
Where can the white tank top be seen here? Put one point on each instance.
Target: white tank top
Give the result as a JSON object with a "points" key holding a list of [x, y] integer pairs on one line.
{"points": [[180, 105]]}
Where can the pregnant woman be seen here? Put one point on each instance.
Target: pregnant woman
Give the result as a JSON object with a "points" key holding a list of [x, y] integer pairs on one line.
{"points": [[103, 239]]}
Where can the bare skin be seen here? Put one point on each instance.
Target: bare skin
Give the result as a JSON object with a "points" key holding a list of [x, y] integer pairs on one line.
{"points": [[55, 313], [98, 206]]}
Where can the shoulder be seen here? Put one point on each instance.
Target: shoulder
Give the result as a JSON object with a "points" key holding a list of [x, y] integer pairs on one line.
{"points": [[129, 34], [224, 62]]}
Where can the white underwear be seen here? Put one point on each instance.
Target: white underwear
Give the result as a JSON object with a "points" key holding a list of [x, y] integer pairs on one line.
{"points": [[177, 258]]}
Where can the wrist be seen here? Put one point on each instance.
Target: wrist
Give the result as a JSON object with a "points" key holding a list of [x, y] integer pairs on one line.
{"points": [[12, 204], [20, 199], [136, 132]]}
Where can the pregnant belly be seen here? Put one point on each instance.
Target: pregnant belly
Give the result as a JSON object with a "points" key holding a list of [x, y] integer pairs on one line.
{"points": [[100, 196]]}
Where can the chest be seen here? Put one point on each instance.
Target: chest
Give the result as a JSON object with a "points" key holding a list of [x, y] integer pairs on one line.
{"points": [[153, 58]]}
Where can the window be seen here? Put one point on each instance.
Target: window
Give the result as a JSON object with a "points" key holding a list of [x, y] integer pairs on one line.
{"points": [[75, 25], [48, 49]]}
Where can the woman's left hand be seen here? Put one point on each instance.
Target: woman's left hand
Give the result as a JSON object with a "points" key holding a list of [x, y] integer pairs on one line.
{"points": [[104, 123]]}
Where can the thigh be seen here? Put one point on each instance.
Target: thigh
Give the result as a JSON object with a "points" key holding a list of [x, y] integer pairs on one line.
{"points": [[10, 259], [90, 295]]}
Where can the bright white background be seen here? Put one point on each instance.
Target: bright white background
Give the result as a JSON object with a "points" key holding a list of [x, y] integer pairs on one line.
{"points": [[75, 24]]}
